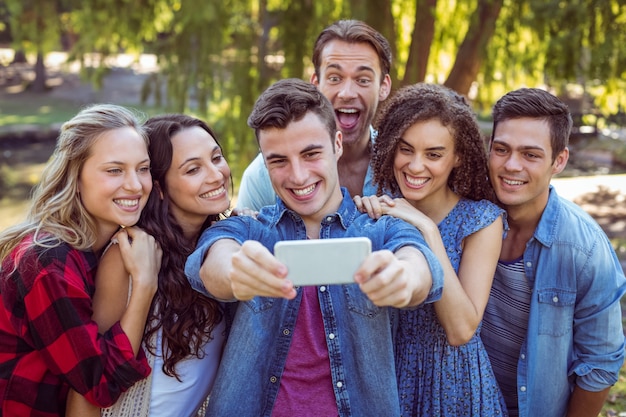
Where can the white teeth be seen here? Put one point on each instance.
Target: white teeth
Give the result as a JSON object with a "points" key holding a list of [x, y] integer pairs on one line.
{"points": [[347, 110], [304, 191], [416, 182], [127, 203], [511, 182], [213, 193]]}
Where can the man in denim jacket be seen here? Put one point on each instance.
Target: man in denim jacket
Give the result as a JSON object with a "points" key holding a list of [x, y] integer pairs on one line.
{"points": [[553, 325], [314, 350]]}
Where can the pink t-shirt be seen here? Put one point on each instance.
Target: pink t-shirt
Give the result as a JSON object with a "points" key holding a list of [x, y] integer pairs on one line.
{"points": [[306, 386]]}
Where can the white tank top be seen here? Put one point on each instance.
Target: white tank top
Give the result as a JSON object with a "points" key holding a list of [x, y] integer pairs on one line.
{"points": [[170, 397]]}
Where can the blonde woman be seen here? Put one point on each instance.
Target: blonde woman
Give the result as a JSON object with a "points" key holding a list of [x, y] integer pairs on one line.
{"points": [[97, 180]]}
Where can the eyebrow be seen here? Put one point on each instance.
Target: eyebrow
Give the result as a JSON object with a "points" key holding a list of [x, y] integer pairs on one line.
{"points": [[124, 163], [432, 148], [195, 158], [309, 148], [359, 68], [523, 148]]}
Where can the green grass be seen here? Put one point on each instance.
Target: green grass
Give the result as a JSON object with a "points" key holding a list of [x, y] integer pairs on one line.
{"points": [[28, 109]]}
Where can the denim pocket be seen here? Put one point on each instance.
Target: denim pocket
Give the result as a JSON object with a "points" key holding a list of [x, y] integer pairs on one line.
{"points": [[259, 304], [359, 303], [556, 310]]}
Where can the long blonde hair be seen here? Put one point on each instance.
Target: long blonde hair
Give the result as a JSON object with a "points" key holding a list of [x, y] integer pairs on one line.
{"points": [[56, 213]]}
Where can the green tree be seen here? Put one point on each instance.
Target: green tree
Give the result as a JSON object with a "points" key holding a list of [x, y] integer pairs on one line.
{"points": [[36, 28]]}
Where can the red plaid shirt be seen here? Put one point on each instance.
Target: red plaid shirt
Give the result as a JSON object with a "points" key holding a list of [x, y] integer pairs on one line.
{"points": [[48, 342]]}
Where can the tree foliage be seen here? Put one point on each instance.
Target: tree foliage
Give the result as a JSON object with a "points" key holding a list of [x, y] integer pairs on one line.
{"points": [[216, 57]]}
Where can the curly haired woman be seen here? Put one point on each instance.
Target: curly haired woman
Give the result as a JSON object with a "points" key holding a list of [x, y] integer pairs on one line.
{"points": [[430, 152]]}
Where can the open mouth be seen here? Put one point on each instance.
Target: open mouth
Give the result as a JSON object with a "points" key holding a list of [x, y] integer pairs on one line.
{"points": [[347, 118]]}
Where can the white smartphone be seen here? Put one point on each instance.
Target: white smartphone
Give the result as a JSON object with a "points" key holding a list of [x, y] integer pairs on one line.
{"points": [[323, 261]]}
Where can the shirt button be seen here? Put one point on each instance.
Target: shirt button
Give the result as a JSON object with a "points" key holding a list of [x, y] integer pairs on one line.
{"points": [[329, 218], [286, 332], [529, 264], [523, 356], [555, 299], [523, 389], [331, 336], [339, 384], [273, 379], [322, 288]]}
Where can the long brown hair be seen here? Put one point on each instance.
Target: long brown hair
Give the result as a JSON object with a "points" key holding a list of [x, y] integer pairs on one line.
{"points": [[186, 317]]}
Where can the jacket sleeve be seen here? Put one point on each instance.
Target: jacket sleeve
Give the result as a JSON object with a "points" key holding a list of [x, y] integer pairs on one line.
{"points": [[598, 331]]}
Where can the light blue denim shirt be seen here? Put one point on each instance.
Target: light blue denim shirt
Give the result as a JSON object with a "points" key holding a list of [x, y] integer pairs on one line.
{"points": [[359, 334], [575, 334]]}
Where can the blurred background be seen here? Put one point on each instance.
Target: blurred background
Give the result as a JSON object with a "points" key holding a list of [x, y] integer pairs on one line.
{"points": [[212, 58]]}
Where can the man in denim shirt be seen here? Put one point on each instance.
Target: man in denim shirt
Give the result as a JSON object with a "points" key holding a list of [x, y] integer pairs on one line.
{"points": [[313, 350], [553, 325]]}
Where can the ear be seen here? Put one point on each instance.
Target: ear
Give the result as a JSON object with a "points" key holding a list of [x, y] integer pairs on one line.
{"points": [[457, 160], [314, 80], [560, 161], [338, 144], [385, 88]]}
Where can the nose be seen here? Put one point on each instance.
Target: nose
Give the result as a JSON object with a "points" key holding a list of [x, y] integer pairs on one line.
{"points": [[299, 174], [213, 174], [132, 181], [416, 164], [513, 162], [347, 90]]}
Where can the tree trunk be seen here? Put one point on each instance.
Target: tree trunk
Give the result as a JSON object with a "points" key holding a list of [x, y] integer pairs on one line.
{"points": [[19, 57], [39, 84], [421, 39], [379, 16], [473, 48]]}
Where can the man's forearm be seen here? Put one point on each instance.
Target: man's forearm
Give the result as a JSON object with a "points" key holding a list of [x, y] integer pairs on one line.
{"points": [[584, 403], [216, 267]]}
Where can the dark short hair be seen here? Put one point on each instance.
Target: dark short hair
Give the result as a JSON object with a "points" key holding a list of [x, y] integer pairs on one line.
{"points": [[287, 101], [353, 31], [536, 103]]}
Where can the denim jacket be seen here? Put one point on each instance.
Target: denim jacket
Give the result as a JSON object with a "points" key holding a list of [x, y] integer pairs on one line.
{"points": [[358, 333], [575, 334]]}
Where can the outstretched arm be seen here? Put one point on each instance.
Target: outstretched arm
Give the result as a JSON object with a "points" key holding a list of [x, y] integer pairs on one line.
{"points": [[400, 279], [234, 271], [465, 295]]}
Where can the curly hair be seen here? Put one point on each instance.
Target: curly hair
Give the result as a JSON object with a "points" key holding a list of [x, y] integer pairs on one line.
{"points": [[56, 215], [186, 317], [420, 103]]}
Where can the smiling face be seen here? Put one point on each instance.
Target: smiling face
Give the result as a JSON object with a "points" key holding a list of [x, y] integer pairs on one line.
{"points": [[424, 159], [352, 80], [115, 180], [303, 167], [198, 178], [520, 163]]}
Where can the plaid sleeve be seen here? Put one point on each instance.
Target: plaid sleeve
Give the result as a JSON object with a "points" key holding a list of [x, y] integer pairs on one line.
{"points": [[58, 311]]}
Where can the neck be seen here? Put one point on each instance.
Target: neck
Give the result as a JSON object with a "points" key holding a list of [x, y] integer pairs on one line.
{"points": [[437, 207]]}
